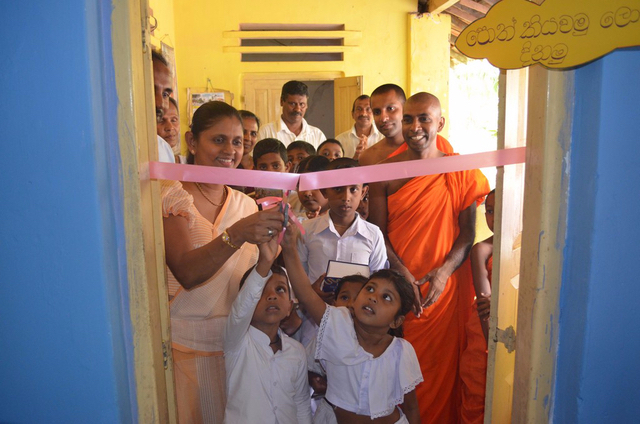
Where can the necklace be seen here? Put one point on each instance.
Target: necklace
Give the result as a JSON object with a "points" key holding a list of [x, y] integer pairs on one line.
{"points": [[224, 196]]}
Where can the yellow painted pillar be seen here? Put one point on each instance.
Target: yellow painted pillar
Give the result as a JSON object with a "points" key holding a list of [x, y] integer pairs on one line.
{"points": [[429, 57]]}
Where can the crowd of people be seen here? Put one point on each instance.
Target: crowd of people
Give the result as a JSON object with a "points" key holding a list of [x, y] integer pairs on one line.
{"points": [[260, 334]]}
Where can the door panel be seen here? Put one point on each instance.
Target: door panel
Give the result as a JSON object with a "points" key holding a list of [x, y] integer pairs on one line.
{"points": [[345, 91]]}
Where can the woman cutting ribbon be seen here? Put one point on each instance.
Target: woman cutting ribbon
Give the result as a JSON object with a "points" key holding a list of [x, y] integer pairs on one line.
{"points": [[211, 233]]}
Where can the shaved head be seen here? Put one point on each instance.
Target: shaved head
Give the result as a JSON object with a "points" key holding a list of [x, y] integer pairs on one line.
{"points": [[425, 98]]}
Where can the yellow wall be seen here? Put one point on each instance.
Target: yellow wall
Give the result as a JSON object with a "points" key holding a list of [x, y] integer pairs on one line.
{"points": [[199, 24], [165, 32]]}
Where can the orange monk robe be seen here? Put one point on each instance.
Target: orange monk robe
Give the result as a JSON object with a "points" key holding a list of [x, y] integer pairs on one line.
{"points": [[441, 142], [473, 368], [422, 227]]}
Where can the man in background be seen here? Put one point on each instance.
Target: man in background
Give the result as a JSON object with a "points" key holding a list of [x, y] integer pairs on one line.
{"points": [[294, 101], [363, 133]]}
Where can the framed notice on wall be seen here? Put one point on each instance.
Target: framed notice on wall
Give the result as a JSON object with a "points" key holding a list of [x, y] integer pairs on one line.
{"points": [[199, 96]]}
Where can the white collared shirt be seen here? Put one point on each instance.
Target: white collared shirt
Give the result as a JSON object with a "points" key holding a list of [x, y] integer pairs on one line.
{"points": [[262, 387], [349, 140], [362, 243], [356, 381], [280, 131]]}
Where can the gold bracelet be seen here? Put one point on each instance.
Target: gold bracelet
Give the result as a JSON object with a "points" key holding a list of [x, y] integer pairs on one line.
{"points": [[227, 240]]}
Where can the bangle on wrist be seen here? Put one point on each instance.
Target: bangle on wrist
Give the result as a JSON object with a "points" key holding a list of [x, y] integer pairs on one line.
{"points": [[227, 240]]}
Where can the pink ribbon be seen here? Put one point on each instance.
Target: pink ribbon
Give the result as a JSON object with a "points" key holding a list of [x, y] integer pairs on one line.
{"points": [[338, 177], [272, 202], [410, 169], [229, 176]]}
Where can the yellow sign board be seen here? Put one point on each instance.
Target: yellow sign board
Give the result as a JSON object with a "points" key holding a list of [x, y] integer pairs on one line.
{"points": [[556, 34]]}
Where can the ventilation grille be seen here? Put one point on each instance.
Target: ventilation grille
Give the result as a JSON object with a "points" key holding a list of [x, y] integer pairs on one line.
{"points": [[292, 42]]}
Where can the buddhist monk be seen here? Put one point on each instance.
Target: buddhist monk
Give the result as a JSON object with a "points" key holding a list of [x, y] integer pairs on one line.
{"points": [[387, 102], [429, 227]]}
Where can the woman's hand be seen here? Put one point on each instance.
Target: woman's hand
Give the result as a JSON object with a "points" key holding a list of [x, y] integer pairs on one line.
{"points": [[257, 228]]}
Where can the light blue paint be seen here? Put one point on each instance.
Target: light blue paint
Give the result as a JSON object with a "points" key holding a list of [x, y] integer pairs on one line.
{"points": [[597, 369], [64, 330]]}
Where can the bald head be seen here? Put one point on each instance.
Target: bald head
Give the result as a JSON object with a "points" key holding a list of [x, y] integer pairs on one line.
{"points": [[426, 98], [421, 121]]}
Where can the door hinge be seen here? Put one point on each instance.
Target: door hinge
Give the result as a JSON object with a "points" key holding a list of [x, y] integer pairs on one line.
{"points": [[507, 337], [165, 355]]}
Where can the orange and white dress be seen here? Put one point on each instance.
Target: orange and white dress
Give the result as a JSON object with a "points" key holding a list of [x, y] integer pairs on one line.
{"points": [[198, 315]]}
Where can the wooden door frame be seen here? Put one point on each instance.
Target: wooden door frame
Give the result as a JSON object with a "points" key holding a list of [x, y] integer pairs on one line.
{"points": [[148, 306]]}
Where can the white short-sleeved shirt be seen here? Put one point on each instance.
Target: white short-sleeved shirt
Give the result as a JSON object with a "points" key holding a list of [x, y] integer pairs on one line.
{"points": [[350, 140], [280, 131], [262, 386], [362, 243], [356, 381]]}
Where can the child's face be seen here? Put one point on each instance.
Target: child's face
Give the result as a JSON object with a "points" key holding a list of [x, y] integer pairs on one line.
{"points": [[271, 162], [363, 207], [489, 205], [347, 294], [312, 200], [274, 304], [343, 201], [295, 156], [377, 305], [331, 151]]}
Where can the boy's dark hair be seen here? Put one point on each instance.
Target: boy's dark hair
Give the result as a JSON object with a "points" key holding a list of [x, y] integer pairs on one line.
{"points": [[294, 88], [156, 55], [275, 268], [342, 163], [245, 114], [362, 97], [385, 88], [331, 141], [355, 278], [207, 115], [302, 145], [313, 163], [269, 145], [405, 290]]}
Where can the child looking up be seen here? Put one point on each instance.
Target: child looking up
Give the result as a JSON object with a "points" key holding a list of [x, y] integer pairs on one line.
{"points": [[266, 370], [297, 151], [346, 292], [369, 372], [331, 149], [313, 202], [341, 234]]}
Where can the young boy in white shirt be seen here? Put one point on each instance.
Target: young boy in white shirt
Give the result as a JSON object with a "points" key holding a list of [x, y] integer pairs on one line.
{"points": [[341, 234], [266, 370], [338, 235]]}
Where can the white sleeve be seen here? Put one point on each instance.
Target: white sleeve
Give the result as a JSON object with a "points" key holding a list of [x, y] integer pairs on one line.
{"points": [[302, 396], [242, 309], [337, 341], [303, 253], [378, 259], [409, 373]]}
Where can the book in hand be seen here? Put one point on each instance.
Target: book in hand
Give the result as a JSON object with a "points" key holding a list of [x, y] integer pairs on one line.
{"points": [[337, 269]]}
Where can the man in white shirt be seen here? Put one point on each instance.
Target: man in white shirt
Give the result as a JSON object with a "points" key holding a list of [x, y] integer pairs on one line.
{"points": [[267, 380], [363, 134], [162, 85], [292, 125]]}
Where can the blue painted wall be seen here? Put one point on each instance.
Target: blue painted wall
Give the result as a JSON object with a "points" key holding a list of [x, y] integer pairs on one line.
{"points": [[64, 330], [598, 367]]}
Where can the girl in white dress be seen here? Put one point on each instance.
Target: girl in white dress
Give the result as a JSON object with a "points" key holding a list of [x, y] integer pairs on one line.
{"points": [[369, 371]]}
